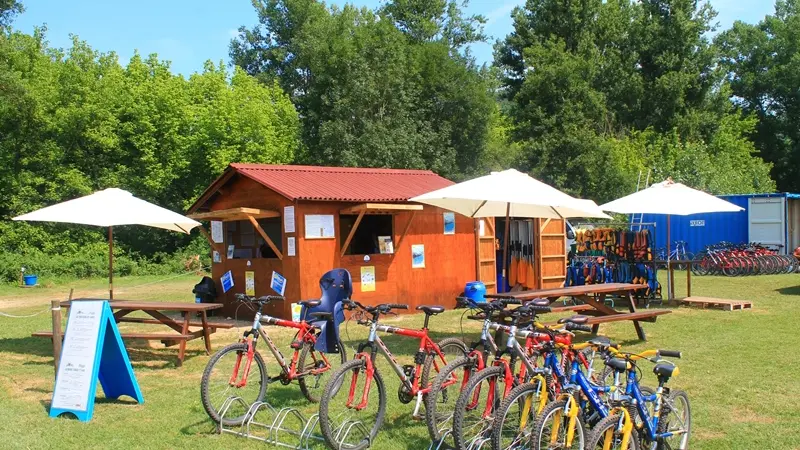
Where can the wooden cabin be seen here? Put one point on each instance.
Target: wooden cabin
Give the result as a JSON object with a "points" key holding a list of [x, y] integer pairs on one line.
{"points": [[301, 221]]}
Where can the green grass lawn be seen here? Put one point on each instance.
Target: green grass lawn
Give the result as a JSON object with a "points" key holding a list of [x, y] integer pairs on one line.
{"points": [[739, 369]]}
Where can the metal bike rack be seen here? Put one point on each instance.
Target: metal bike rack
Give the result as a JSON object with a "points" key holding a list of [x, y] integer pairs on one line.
{"points": [[444, 433], [347, 427], [277, 432]]}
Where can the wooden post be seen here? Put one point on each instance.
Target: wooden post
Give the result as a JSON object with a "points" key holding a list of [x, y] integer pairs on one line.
{"points": [[505, 247], [689, 278], [111, 263], [55, 309]]}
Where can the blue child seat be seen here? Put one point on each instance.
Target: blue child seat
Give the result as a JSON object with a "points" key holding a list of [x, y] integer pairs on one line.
{"points": [[336, 285]]}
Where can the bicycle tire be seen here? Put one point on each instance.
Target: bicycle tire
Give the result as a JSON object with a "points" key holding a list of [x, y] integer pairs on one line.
{"points": [[548, 414], [598, 435], [332, 387], [205, 396], [665, 417], [448, 346], [502, 412], [308, 349], [437, 417], [466, 397]]}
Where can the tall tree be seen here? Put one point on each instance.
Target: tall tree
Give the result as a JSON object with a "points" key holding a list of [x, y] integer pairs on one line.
{"points": [[763, 67], [387, 88]]}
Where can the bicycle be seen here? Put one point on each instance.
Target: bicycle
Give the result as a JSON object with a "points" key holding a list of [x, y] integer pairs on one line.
{"points": [[229, 370], [665, 425], [678, 254], [414, 379]]}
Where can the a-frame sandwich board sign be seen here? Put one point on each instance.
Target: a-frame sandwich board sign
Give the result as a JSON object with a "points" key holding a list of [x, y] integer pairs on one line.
{"points": [[92, 350]]}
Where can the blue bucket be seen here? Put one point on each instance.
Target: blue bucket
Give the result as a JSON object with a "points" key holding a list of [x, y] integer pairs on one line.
{"points": [[475, 291], [31, 280]]}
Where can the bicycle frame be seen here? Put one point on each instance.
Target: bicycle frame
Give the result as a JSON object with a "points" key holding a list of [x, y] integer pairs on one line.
{"points": [[288, 371], [376, 345]]}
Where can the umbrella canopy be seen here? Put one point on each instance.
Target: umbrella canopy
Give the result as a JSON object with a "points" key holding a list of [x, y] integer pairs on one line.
{"points": [[108, 208], [509, 193], [670, 198], [111, 207]]}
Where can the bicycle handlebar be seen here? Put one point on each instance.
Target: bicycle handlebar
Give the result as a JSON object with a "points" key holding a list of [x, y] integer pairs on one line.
{"points": [[263, 299], [669, 353], [575, 327]]}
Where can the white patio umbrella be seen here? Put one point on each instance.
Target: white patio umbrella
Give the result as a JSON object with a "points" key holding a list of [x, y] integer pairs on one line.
{"points": [[509, 193], [670, 198], [108, 208]]}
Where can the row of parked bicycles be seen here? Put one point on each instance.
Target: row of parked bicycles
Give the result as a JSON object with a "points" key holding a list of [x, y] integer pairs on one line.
{"points": [[735, 260], [519, 385]]}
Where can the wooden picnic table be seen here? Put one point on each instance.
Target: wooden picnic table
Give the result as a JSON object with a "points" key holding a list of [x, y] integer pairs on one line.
{"points": [[156, 310], [594, 296]]}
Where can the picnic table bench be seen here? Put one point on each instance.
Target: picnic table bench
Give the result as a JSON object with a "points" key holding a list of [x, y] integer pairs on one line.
{"points": [[156, 310], [593, 297]]}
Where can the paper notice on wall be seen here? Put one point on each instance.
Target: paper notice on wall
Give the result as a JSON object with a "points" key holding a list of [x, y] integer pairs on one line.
{"points": [[278, 283], [250, 282], [216, 231], [319, 226], [482, 227], [297, 308], [288, 219], [216, 256], [231, 248], [417, 256], [368, 279], [385, 245], [290, 246], [449, 223], [76, 369], [227, 281]]}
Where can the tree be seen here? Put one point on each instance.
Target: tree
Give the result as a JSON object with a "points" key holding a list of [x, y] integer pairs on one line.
{"points": [[8, 10], [387, 88], [763, 70]]}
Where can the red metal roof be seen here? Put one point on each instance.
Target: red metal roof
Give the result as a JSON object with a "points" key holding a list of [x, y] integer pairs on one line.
{"points": [[347, 184]]}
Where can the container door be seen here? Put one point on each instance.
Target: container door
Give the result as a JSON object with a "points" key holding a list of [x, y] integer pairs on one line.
{"points": [[794, 224], [485, 265], [767, 221]]}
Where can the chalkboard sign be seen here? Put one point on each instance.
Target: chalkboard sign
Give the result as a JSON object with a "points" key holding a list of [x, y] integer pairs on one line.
{"points": [[92, 350]]}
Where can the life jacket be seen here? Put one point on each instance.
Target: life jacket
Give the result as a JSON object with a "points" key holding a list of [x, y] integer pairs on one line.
{"points": [[580, 278]]}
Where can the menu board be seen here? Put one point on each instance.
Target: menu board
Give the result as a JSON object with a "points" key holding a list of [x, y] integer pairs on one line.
{"points": [[76, 369], [319, 226]]}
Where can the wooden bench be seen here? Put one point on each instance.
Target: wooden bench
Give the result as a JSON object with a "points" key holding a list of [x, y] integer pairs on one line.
{"points": [[163, 337], [211, 325]]}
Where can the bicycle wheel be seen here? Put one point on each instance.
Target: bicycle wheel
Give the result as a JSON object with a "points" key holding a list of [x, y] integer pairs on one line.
{"points": [[311, 359], [607, 435], [550, 429], [513, 427], [475, 408], [676, 417], [344, 426], [700, 264], [218, 383], [440, 403], [451, 348]]}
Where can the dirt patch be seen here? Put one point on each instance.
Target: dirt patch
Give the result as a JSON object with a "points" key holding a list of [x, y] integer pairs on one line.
{"points": [[707, 434], [744, 415]]}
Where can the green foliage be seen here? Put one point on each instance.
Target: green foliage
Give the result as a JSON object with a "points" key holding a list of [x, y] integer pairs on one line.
{"points": [[74, 121], [763, 66], [8, 10], [385, 88], [601, 90]]}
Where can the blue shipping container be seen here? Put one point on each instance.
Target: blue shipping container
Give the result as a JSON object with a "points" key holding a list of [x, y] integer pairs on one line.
{"points": [[701, 230]]}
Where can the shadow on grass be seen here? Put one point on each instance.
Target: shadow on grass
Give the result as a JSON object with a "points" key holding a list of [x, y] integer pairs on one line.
{"points": [[27, 346], [792, 290], [122, 401]]}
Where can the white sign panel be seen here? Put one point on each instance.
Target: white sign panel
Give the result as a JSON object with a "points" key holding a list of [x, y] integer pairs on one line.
{"points": [[76, 368], [288, 219], [697, 223], [290, 246], [319, 226], [216, 231]]}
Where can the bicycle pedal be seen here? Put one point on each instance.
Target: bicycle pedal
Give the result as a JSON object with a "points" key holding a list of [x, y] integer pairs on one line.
{"points": [[297, 345]]}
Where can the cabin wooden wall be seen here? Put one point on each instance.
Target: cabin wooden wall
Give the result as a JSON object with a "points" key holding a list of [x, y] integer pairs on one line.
{"points": [[551, 254]]}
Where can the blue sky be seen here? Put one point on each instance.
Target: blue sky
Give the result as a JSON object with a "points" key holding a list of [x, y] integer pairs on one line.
{"points": [[188, 33]]}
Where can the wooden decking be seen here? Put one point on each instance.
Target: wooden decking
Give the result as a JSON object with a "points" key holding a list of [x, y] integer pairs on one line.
{"points": [[719, 303]]}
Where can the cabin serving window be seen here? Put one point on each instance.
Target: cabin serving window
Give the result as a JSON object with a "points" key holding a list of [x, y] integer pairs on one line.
{"points": [[247, 241], [367, 238]]}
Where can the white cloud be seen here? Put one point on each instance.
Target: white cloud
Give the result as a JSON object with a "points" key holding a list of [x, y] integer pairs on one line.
{"points": [[502, 11]]}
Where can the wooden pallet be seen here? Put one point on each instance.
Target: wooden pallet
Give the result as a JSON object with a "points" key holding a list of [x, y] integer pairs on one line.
{"points": [[708, 302]]}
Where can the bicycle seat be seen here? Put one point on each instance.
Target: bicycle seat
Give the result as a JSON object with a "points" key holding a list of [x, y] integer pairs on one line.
{"points": [[603, 341], [310, 303], [539, 302], [576, 319], [665, 370], [431, 310], [321, 315], [619, 365]]}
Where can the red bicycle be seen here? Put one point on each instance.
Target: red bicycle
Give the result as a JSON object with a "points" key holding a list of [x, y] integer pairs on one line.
{"points": [[353, 403], [228, 373]]}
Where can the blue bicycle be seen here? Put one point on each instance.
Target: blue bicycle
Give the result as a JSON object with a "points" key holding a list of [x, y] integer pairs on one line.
{"points": [[664, 418]]}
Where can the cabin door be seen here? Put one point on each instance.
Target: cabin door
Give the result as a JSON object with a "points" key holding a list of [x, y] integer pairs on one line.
{"points": [[550, 253], [485, 248]]}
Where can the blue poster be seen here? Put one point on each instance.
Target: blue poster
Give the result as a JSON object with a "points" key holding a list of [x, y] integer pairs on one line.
{"points": [[449, 223], [227, 281], [278, 283]]}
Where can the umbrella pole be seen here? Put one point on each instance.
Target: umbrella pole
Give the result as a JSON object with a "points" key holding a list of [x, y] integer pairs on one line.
{"points": [[111, 263], [505, 247], [669, 266]]}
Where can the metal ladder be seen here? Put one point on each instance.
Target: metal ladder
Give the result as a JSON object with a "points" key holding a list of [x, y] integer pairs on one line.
{"points": [[639, 187]]}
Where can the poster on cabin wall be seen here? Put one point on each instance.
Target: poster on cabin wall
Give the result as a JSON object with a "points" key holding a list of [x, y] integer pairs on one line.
{"points": [[231, 249], [216, 231], [290, 246], [449, 223], [418, 256], [368, 279], [385, 245], [278, 283], [250, 283], [288, 219], [319, 226], [227, 281], [217, 257]]}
